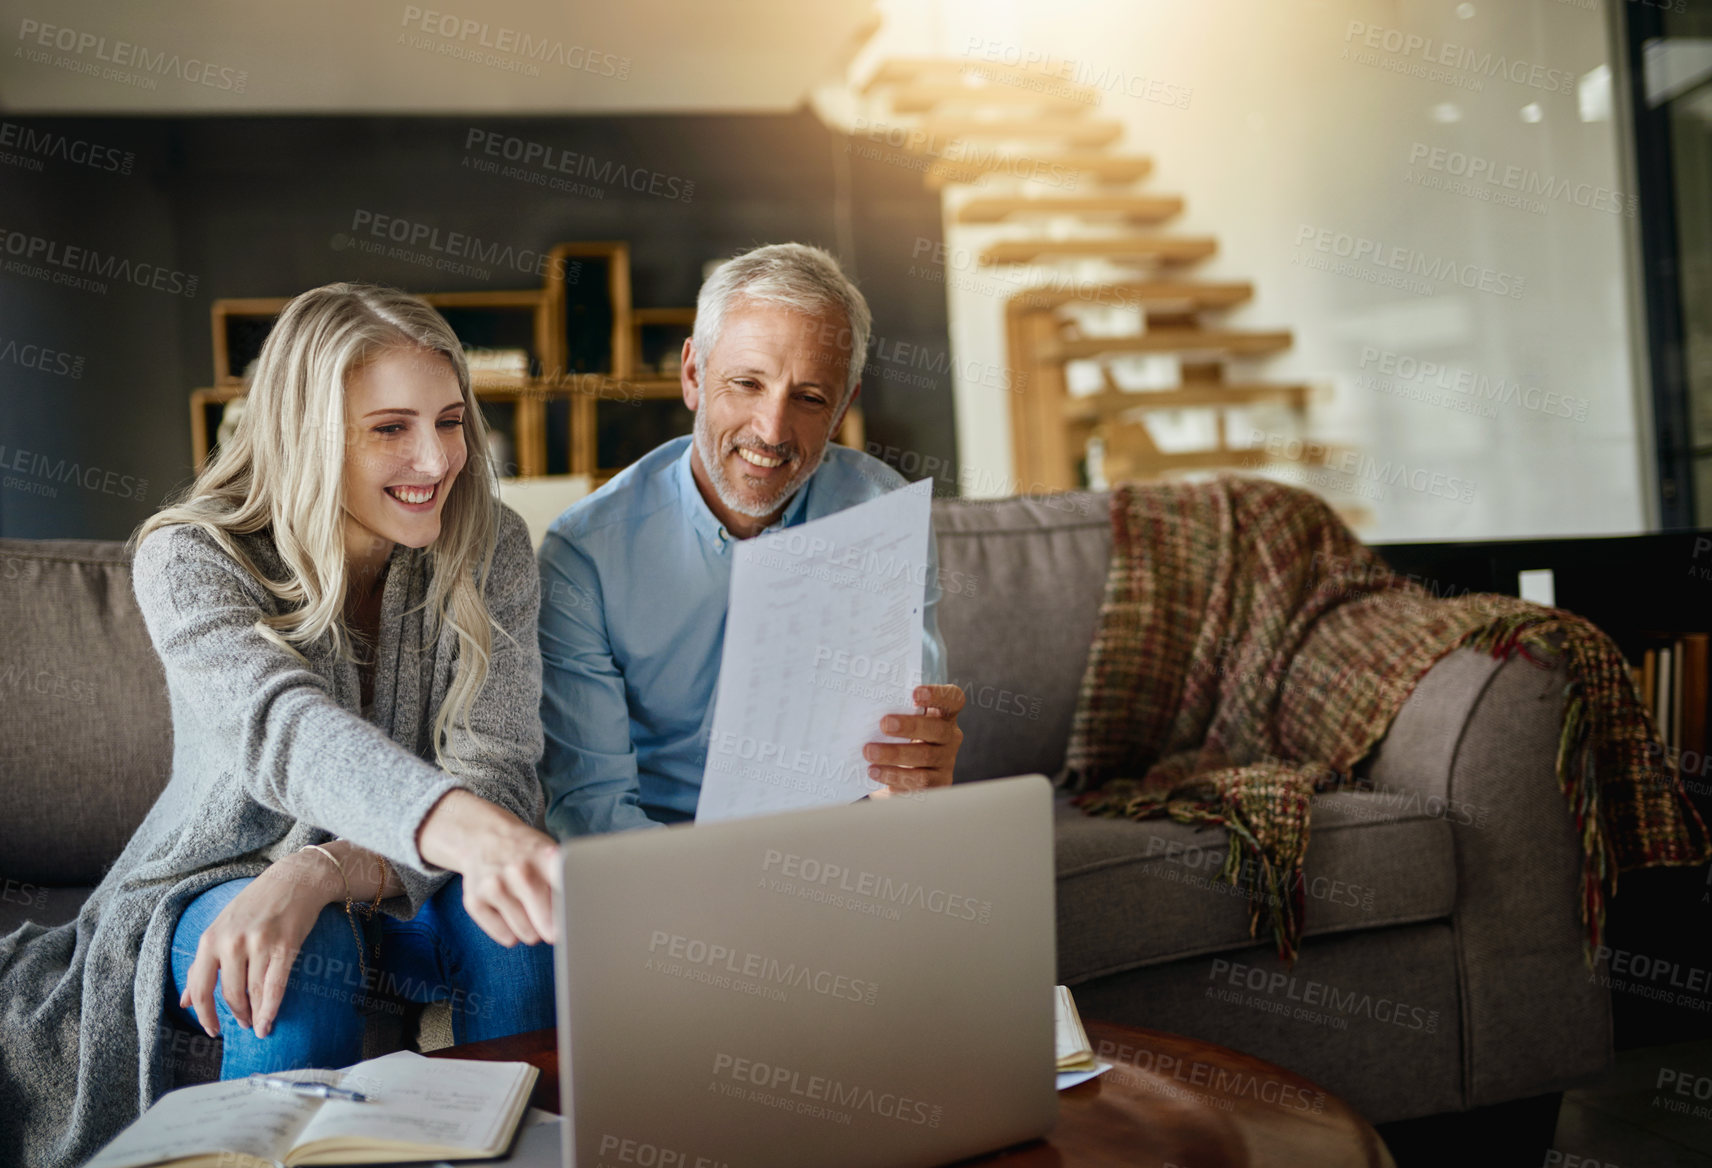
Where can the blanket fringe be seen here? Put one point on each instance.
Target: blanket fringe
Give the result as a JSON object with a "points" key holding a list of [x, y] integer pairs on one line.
{"points": [[1534, 635], [1275, 891]]}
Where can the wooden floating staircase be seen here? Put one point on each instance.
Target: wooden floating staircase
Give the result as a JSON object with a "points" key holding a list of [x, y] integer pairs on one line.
{"points": [[979, 120]]}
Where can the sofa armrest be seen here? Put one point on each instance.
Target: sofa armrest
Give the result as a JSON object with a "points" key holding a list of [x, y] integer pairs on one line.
{"points": [[1480, 736], [1419, 749]]}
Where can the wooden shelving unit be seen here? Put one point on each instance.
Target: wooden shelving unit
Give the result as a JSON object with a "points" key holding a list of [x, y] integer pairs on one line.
{"points": [[250, 319], [205, 405], [678, 322], [585, 342]]}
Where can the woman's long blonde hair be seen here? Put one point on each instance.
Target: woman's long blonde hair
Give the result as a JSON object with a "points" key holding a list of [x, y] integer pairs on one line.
{"points": [[283, 471]]}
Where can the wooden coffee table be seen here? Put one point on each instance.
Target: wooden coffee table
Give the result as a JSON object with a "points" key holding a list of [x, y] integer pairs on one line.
{"points": [[1167, 1100]]}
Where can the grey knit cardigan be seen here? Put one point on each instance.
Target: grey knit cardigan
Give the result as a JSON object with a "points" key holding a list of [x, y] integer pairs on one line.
{"points": [[269, 754]]}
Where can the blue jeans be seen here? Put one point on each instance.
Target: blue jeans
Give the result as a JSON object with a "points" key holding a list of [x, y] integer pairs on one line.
{"points": [[439, 956]]}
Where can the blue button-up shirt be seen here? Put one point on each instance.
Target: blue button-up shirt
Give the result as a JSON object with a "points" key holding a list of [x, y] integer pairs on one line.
{"points": [[634, 582]]}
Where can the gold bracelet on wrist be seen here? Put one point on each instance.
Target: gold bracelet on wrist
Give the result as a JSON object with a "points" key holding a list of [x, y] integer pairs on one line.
{"points": [[368, 910], [380, 891], [350, 914]]}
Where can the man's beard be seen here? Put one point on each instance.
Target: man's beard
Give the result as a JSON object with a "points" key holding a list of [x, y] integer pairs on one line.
{"points": [[714, 464]]}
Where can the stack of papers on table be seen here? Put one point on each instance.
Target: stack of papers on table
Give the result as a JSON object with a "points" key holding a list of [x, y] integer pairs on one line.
{"points": [[1075, 1052], [1076, 1061]]}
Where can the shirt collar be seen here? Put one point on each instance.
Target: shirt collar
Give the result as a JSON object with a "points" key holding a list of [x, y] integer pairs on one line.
{"points": [[707, 523], [701, 516], [799, 502]]}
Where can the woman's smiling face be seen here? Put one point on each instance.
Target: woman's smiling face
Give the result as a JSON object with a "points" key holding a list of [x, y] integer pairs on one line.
{"points": [[404, 421]]}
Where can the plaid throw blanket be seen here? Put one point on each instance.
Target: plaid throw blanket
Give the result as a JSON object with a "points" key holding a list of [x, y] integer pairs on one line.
{"points": [[1251, 651]]}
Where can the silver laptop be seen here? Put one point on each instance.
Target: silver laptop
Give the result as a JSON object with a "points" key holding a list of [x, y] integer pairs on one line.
{"points": [[864, 985]]}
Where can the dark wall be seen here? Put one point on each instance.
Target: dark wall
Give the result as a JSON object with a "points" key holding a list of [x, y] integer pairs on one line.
{"points": [[94, 382]]}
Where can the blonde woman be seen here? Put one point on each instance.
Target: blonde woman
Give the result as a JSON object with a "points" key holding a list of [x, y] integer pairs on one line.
{"points": [[346, 616]]}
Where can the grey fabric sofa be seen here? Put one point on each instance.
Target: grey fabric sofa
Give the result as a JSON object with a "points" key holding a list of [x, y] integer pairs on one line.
{"points": [[1442, 966]]}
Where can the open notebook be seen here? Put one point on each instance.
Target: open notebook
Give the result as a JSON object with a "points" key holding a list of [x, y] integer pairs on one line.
{"points": [[418, 1109]]}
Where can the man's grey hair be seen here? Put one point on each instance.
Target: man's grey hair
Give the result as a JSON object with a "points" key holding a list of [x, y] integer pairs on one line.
{"points": [[797, 276]]}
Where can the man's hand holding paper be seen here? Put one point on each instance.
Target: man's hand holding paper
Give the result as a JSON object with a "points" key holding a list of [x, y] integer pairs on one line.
{"points": [[928, 758]]}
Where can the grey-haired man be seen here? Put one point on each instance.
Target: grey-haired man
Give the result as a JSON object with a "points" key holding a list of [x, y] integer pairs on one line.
{"points": [[634, 578]]}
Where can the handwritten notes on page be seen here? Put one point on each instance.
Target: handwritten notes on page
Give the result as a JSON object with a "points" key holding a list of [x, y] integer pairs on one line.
{"points": [[230, 1118]]}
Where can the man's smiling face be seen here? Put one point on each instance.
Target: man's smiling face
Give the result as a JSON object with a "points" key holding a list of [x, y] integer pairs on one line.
{"points": [[766, 400]]}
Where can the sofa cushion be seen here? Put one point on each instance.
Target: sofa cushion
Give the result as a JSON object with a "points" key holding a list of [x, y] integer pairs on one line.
{"points": [[1022, 583], [86, 743], [1136, 893]]}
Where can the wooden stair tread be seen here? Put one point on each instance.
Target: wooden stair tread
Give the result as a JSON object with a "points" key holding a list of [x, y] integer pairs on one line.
{"points": [[1110, 403], [1143, 462], [1195, 294], [1131, 441], [903, 71], [1105, 168], [1072, 130], [926, 96], [1160, 248], [1148, 208], [1155, 461], [1171, 340], [1111, 167]]}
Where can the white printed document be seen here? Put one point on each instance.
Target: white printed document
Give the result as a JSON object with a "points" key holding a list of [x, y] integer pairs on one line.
{"points": [[823, 638]]}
